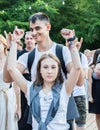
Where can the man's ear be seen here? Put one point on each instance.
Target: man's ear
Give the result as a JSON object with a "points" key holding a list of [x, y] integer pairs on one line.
{"points": [[48, 26]]}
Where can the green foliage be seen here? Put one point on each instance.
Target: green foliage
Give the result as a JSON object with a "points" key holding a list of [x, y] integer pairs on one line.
{"points": [[81, 15]]}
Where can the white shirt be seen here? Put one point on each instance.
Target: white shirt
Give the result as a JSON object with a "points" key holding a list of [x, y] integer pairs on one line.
{"points": [[23, 59], [59, 122], [80, 90]]}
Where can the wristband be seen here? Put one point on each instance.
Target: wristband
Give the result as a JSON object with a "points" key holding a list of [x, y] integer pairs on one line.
{"points": [[71, 39]]}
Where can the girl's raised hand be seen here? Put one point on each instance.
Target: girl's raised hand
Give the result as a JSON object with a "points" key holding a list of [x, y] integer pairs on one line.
{"points": [[18, 34]]}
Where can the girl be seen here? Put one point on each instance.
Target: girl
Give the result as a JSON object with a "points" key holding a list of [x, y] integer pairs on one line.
{"points": [[48, 96], [7, 96]]}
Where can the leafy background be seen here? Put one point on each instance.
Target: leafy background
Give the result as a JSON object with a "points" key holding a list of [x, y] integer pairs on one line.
{"points": [[83, 16]]}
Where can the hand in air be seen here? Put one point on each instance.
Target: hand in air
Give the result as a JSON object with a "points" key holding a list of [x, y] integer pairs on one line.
{"points": [[18, 34], [67, 33], [8, 37], [78, 43]]}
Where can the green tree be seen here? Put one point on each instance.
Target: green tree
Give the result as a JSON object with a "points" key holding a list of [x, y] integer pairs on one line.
{"points": [[83, 16]]}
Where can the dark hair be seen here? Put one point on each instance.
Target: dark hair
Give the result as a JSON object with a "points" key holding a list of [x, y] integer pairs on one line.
{"points": [[39, 16], [97, 52], [39, 79]]}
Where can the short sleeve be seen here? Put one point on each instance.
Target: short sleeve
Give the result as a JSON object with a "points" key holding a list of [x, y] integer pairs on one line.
{"points": [[23, 59], [84, 61], [66, 55]]}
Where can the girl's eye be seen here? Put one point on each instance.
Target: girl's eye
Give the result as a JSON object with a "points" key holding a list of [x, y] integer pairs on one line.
{"points": [[53, 67], [45, 67]]}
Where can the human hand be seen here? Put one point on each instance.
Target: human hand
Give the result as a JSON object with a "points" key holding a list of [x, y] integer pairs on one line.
{"points": [[18, 114], [78, 43], [8, 37], [17, 34], [90, 99], [67, 33]]}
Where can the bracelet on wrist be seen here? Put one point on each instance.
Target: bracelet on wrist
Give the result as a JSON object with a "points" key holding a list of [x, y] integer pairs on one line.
{"points": [[71, 39]]}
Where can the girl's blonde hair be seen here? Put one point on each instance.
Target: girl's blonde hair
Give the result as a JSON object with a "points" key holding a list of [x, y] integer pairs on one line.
{"points": [[4, 42]]}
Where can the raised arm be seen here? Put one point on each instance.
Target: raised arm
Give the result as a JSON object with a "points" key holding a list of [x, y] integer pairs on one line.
{"points": [[13, 70], [69, 36], [75, 70], [18, 33], [81, 78]]}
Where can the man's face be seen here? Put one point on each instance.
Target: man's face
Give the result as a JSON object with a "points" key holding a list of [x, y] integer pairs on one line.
{"points": [[40, 30], [29, 41]]}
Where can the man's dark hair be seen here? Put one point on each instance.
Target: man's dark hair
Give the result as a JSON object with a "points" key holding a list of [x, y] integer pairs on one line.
{"points": [[39, 16]]}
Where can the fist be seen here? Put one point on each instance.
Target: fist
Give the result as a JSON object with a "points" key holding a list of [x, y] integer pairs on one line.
{"points": [[67, 33]]}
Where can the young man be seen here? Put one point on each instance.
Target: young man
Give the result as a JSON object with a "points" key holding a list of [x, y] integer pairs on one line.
{"points": [[40, 27]]}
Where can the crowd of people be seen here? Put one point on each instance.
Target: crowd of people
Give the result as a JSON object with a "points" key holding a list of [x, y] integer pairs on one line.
{"points": [[47, 86]]}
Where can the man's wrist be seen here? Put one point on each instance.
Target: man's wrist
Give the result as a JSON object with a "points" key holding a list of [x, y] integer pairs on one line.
{"points": [[71, 39]]}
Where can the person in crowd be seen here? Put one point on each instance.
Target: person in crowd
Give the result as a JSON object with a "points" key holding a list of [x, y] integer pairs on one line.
{"points": [[30, 44], [94, 102], [48, 95], [89, 56], [19, 46], [92, 66], [40, 27], [8, 117], [79, 92]]}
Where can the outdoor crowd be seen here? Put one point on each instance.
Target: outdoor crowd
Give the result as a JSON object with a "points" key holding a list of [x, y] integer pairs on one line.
{"points": [[46, 85]]}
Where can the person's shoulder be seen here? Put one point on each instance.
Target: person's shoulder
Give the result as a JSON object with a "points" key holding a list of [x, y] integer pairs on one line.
{"points": [[82, 55], [24, 55], [21, 52]]}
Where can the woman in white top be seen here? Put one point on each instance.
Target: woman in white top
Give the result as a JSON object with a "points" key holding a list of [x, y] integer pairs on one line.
{"points": [[47, 103], [7, 95]]}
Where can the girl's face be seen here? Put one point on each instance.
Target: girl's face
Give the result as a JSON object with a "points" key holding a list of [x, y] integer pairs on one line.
{"points": [[49, 70], [1, 47]]}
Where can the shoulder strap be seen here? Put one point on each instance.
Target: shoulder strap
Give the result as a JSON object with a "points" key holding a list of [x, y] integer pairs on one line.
{"points": [[59, 54], [30, 60]]}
